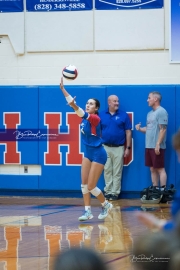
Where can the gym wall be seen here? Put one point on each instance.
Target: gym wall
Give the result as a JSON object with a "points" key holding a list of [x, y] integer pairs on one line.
{"points": [[125, 52], [33, 159], [109, 47]]}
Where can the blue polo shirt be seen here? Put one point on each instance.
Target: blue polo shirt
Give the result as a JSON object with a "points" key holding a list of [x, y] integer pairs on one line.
{"points": [[114, 126]]}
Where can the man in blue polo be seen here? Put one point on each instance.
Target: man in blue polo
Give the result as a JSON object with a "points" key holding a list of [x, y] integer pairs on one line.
{"points": [[116, 130]]}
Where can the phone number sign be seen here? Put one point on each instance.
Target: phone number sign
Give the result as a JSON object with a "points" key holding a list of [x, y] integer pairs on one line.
{"points": [[127, 4], [58, 5]]}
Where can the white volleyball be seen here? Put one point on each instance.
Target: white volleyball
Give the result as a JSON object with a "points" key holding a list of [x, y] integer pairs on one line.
{"points": [[70, 72]]}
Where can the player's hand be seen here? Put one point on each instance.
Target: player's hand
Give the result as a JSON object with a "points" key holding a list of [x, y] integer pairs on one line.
{"points": [[126, 152], [61, 84], [157, 149], [138, 126]]}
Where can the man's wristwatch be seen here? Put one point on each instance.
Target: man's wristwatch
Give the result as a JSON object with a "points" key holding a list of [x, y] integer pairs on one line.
{"points": [[128, 147]]}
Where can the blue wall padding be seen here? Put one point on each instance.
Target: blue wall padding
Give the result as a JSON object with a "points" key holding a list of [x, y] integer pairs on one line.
{"points": [[36, 101], [177, 126]]}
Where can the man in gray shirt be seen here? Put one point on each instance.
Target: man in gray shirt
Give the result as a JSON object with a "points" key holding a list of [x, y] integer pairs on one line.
{"points": [[155, 130]]}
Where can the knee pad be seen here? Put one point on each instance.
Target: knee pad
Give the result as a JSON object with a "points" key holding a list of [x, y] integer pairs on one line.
{"points": [[84, 189], [95, 191]]}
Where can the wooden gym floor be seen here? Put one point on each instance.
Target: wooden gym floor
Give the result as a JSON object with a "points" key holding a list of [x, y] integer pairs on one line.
{"points": [[33, 230]]}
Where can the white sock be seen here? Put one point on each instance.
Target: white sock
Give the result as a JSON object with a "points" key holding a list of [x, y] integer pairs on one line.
{"points": [[163, 187], [88, 208], [104, 203]]}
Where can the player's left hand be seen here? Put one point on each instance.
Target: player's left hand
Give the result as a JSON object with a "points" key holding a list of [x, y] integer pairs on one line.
{"points": [[157, 149]]}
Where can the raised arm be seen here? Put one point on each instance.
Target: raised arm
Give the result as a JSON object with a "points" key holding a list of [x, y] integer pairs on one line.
{"points": [[69, 98], [71, 101]]}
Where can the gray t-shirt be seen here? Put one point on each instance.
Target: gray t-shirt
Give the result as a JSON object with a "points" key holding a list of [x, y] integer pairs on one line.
{"points": [[154, 119]]}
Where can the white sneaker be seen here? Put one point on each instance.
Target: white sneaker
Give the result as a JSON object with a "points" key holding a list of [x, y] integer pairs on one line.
{"points": [[87, 215], [105, 210]]}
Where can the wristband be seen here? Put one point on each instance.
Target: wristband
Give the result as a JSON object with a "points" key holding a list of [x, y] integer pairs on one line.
{"points": [[69, 98]]}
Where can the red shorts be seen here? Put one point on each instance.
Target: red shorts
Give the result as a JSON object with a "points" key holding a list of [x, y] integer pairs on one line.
{"points": [[153, 160]]}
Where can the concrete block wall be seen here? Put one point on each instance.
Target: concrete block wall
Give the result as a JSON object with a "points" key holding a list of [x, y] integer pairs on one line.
{"points": [[124, 66]]}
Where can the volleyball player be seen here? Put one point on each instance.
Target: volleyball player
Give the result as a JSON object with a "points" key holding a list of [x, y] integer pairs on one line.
{"points": [[95, 155]]}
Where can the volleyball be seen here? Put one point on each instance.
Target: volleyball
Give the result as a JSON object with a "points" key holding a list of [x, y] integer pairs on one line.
{"points": [[70, 72]]}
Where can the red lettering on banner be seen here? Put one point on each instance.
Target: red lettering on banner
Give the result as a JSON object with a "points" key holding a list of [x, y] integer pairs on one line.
{"points": [[11, 154], [129, 159], [71, 139]]}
